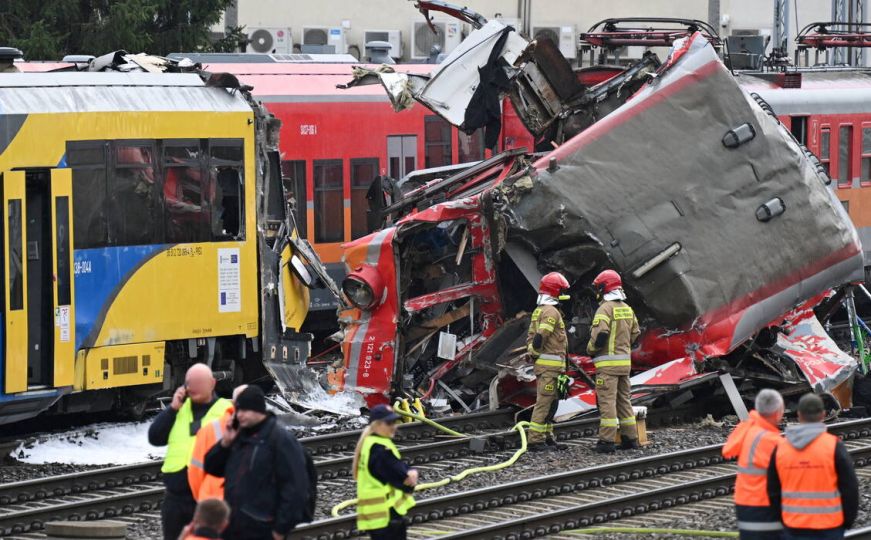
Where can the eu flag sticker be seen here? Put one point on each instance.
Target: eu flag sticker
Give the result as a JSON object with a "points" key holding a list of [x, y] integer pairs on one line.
{"points": [[234, 259], [223, 299]]}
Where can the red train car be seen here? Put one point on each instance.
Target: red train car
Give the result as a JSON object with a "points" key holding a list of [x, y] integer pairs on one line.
{"points": [[335, 142]]}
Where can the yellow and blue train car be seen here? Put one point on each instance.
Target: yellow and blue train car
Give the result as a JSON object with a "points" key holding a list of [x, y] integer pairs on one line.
{"points": [[143, 229]]}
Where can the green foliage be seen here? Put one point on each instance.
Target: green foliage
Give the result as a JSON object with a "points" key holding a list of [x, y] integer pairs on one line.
{"points": [[50, 29]]}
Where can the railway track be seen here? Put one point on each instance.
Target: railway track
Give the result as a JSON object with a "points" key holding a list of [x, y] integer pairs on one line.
{"points": [[546, 506], [118, 491]]}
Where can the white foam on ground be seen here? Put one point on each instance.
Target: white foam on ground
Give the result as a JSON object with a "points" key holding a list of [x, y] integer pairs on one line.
{"points": [[342, 403], [100, 444]]}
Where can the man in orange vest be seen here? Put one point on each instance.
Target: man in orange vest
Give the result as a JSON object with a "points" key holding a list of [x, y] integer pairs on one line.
{"points": [[811, 479], [753, 442], [205, 486]]}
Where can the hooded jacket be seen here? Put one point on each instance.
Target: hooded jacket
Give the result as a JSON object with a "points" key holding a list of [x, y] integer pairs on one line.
{"points": [[799, 436]]}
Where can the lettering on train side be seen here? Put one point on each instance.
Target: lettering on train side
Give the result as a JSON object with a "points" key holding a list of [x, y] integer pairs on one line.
{"points": [[184, 252], [82, 267], [308, 129]]}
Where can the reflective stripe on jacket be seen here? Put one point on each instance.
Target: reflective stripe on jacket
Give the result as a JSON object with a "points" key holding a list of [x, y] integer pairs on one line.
{"points": [[206, 486], [618, 320], [180, 445], [548, 322], [752, 442], [375, 498], [809, 484]]}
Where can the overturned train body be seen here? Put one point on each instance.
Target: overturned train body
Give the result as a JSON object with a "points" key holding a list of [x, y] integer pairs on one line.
{"points": [[721, 224]]}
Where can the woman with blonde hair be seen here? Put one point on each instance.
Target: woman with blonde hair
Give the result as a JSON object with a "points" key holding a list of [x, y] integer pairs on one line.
{"points": [[384, 481]]}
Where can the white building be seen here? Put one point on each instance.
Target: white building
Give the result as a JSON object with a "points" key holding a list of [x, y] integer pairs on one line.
{"points": [[346, 25]]}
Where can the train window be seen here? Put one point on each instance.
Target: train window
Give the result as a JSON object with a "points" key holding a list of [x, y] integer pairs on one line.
{"points": [[16, 274], [329, 201], [226, 189], [134, 212], [845, 156], [798, 126], [825, 149], [87, 159], [293, 177], [184, 186], [471, 147], [437, 141], [62, 250], [866, 156], [363, 171]]}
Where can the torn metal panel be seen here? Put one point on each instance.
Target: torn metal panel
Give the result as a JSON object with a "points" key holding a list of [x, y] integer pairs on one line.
{"points": [[806, 342]]}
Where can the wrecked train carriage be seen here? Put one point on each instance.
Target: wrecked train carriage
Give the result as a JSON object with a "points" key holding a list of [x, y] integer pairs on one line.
{"points": [[721, 224]]}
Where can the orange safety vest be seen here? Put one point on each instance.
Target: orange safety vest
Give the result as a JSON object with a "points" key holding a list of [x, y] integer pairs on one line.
{"points": [[206, 486], [752, 442], [809, 484]]}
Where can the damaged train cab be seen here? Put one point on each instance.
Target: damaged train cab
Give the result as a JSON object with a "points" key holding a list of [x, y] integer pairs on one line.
{"points": [[722, 225]]}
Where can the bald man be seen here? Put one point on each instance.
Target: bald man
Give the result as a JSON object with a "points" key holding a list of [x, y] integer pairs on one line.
{"points": [[193, 405]]}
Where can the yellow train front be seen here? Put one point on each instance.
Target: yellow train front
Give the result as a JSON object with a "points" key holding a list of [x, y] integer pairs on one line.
{"points": [[143, 229]]}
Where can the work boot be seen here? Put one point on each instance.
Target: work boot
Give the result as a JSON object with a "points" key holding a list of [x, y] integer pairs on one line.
{"points": [[629, 444], [604, 447], [538, 447], [555, 445]]}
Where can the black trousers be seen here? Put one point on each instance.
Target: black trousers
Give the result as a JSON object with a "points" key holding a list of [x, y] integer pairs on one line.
{"points": [[395, 530], [176, 512]]}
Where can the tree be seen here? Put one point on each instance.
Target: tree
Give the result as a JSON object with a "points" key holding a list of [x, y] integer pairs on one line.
{"points": [[50, 29]]}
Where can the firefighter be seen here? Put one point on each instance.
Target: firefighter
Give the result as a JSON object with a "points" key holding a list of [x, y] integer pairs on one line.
{"points": [[547, 344], [614, 330], [753, 442]]}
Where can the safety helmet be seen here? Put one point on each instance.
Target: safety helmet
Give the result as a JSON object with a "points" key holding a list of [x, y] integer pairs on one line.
{"points": [[553, 284], [607, 281]]}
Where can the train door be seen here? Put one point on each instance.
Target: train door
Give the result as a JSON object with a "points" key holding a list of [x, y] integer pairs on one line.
{"points": [[401, 155], [38, 279]]}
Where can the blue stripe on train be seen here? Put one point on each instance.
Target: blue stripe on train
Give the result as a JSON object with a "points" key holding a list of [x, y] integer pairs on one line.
{"points": [[100, 273]]}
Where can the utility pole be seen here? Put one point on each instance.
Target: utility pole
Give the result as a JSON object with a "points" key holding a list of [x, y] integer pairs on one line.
{"points": [[780, 37], [847, 11], [714, 14]]}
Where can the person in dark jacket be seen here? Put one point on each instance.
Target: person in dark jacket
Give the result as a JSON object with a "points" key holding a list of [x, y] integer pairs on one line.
{"points": [[811, 479], [264, 471], [193, 405]]}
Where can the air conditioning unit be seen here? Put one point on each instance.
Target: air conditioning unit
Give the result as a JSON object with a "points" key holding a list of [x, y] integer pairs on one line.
{"points": [[394, 37], [270, 40], [448, 38], [563, 37], [325, 36]]}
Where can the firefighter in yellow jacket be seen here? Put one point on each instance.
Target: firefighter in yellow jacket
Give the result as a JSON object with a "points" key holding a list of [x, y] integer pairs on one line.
{"points": [[547, 344], [614, 330]]}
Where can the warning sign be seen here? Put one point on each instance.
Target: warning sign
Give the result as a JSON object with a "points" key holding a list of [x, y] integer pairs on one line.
{"points": [[229, 281]]}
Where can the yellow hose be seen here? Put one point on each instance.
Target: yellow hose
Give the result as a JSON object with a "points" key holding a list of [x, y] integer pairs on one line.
{"points": [[519, 427]]}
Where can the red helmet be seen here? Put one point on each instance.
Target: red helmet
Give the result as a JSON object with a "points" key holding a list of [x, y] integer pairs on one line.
{"points": [[607, 281], [553, 284]]}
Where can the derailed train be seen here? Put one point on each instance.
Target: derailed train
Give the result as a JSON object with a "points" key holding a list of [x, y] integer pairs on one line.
{"points": [[144, 229], [721, 223]]}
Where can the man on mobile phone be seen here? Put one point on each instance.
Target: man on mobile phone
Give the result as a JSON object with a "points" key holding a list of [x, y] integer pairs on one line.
{"points": [[266, 482], [193, 405]]}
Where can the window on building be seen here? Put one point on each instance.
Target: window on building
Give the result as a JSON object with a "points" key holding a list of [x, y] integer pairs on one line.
{"points": [[363, 171], [134, 211], [866, 156], [293, 177], [471, 147], [825, 149], [227, 193], [845, 156], [329, 200], [437, 141], [184, 192], [87, 159]]}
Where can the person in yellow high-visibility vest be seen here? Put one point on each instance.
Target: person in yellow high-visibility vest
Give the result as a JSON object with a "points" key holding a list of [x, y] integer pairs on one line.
{"points": [[614, 330], [384, 481], [193, 405]]}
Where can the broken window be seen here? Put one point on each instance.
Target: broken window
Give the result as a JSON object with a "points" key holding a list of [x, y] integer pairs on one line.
{"points": [[866, 156], [471, 147], [226, 190], [293, 175], [825, 149], [187, 217], [845, 156], [87, 159], [134, 212], [437, 141], [16, 267], [363, 172], [329, 201]]}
